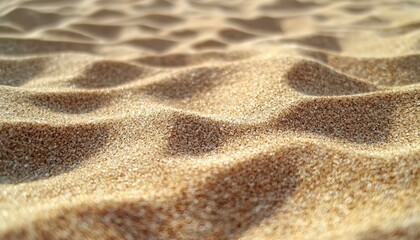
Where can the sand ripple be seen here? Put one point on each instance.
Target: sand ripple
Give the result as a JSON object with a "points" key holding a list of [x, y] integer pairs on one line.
{"points": [[195, 119]]}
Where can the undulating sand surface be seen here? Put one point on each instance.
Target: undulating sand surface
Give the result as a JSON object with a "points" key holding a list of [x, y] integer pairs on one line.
{"points": [[209, 119]]}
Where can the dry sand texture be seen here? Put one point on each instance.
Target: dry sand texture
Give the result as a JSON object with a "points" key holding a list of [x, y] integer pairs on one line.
{"points": [[210, 119]]}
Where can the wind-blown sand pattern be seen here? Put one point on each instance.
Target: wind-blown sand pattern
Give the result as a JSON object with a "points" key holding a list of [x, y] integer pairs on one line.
{"points": [[209, 119]]}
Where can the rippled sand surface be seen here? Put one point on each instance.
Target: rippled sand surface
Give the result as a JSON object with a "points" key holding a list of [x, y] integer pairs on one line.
{"points": [[209, 119]]}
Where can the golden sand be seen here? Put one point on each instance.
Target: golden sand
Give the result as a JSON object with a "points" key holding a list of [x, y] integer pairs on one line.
{"points": [[209, 119]]}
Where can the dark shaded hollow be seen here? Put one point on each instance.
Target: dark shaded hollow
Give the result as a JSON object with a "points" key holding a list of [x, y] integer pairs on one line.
{"points": [[103, 74], [14, 46], [235, 35], [31, 3], [71, 103], [104, 31], [170, 60], [155, 5], [364, 120], [209, 44], [316, 41], [30, 152], [9, 29], [224, 206], [30, 19], [313, 78], [195, 136], [390, 71], [154, 44], [185, 85], [184, 33], [221, 6], [162, 19], [147, 28], [357, 9], [18, 72], [242, 196], [259, 24], [112, 218], [288, 5], [106, 13], [67, 34]]}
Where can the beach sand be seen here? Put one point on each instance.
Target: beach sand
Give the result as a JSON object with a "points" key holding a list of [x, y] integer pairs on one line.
{"points": [[209, 119]]}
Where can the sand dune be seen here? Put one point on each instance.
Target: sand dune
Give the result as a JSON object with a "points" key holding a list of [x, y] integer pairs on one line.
{"points": [[163, 119]]}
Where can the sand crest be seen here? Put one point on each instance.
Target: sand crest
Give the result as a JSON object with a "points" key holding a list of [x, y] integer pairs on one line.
{"points": [[202, 119]]}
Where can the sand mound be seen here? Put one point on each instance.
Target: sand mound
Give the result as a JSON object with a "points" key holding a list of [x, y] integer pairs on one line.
{"points": [[163, 119]]}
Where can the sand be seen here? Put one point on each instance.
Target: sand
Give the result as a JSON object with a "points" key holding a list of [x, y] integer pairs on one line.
{"points": [[210, 119]]}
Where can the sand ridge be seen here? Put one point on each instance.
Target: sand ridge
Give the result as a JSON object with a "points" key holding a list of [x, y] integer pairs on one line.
{"points": [[202, 119]]}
